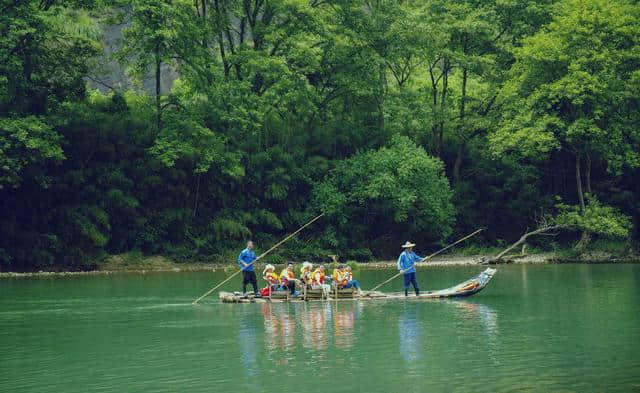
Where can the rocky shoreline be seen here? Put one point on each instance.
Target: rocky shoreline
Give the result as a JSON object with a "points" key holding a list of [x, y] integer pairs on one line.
{"points": [[152, 264]]}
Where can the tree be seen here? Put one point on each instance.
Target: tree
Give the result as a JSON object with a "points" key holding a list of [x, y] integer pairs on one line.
{"points": [[153, 30], [46, 50], [569, 89], [394, 193], [26, 144]]}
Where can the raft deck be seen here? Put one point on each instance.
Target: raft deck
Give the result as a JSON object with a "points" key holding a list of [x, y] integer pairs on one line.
{"points": [[464, 289]]}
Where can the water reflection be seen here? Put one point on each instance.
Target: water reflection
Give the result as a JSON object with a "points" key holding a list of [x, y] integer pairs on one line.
{"points": [[411, 325], [488, 319], [316, 321], [279, 327], [486, 315], [248, 352], [344, 317], [247, 338], [410, 334], [314, 326]]}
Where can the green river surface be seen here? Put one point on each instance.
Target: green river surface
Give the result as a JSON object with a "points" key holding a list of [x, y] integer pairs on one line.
{"points": [[534, 328]]}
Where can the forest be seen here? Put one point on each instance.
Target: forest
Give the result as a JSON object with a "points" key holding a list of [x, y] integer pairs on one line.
{"points": [[243, 119]]}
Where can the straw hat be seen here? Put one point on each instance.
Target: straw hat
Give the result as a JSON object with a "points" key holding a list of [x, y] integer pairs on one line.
{"points": [[408, 244], [268, 267], [306, 265]]}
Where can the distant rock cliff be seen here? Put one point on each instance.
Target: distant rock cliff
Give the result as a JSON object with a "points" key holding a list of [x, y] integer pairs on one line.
{"points": [[111, 75]]}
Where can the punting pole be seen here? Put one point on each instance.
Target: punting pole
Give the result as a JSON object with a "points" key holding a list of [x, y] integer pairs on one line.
{"points": [[429, 257], [259, 257]]}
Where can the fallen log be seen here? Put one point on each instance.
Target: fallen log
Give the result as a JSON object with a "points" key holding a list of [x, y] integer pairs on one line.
{"points": [[540, 231]]}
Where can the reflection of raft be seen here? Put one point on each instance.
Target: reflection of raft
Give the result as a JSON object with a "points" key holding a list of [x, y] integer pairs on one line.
{"points": [[467, 288]]}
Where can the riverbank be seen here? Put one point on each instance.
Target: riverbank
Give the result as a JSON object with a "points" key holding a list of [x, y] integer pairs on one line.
{"points": [[148, 264]]}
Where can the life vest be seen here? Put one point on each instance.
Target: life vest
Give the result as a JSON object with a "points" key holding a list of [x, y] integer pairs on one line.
{"points": [[286, 276], [338, 277], [317, 278], [271, 278], [305, 276]]}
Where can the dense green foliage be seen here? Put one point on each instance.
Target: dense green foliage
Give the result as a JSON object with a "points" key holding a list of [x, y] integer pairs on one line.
{"points": [[420, 119], [595, 218], [379, 197]]}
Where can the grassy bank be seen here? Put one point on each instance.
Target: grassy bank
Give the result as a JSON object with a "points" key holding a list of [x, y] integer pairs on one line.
{"points": [[137, 263]]}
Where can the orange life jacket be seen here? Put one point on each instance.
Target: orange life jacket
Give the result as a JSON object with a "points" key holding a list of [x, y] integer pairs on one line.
{"points": [[339, 277]]}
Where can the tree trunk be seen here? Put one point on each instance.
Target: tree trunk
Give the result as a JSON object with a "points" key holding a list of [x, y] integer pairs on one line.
{"points": [[586, 235], [382, 91], [522, 240], [585, 239], [434, 126], [195, 204], [579, 182], [158, 87], [587, 173], [458, 163], [463, 98], [225, 64], [443, 100], [205, 42]]}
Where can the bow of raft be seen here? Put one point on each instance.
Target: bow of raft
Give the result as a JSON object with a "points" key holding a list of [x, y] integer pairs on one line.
{"points": [[464, 289]]}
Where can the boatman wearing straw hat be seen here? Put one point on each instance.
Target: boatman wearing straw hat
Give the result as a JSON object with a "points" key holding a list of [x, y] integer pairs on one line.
{"points": [[407, 266]]}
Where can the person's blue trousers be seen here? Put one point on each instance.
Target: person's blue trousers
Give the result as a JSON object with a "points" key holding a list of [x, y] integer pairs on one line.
{"points": [[410, 278], [352, 284]]}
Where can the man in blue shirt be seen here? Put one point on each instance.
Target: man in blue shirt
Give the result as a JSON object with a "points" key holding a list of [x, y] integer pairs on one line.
{"points": [[407, 265], [245, 261]]}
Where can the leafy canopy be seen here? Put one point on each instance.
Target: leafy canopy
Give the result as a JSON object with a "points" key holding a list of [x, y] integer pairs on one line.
{"points": [[398, 189]]}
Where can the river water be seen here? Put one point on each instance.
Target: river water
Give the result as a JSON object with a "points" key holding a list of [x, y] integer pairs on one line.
{"points": [[534, 328]]}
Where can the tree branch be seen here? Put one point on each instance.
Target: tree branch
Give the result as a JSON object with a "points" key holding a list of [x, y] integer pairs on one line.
{"points": [[540, 231]]}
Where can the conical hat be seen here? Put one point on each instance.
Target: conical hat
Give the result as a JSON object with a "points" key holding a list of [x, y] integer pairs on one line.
{"points": [[408, 244], [268, 267]]}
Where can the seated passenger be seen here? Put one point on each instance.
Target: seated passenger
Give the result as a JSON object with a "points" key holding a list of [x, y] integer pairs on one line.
{"points": [[288, 279], [348, 277], [270, 276], [338, 277], [318, 280], [305, 273]]}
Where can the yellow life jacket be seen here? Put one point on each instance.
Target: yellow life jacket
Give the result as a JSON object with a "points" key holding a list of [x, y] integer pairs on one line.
{"points": [[271, 278], [305, 275], [286, 275], [336, 276], [317, 278]]}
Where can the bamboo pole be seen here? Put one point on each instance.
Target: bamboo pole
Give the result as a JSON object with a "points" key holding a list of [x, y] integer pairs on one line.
{"points": [[429, 257], [259, 257]]}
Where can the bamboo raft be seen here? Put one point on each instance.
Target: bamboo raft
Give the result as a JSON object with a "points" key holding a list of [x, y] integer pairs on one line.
{"points": [[464, 289]]}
